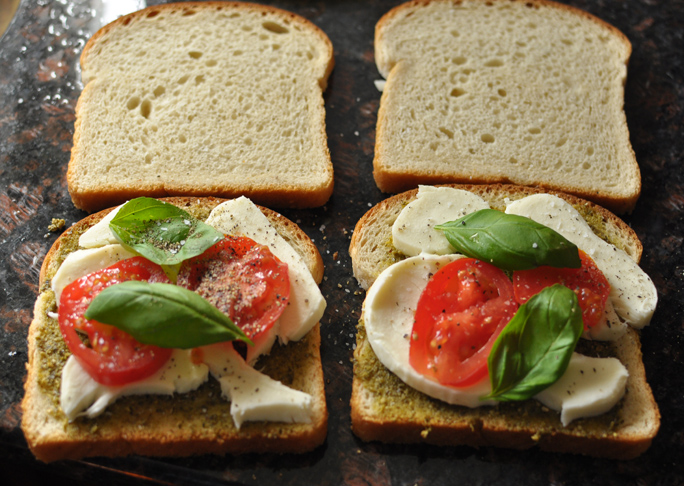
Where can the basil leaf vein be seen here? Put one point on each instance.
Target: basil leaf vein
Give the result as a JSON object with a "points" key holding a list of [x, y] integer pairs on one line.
{"points": [[163, 314], [161, 232], [509, 241], [534, 349]]}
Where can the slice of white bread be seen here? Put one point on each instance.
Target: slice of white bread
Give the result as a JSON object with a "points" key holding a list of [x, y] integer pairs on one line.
{"points": [[198, 422], [386, 409], [524, 92], [205, 99]]}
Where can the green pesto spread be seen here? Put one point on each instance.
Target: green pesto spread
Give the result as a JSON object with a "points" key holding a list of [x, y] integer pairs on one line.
{"points": [[393, 400]]}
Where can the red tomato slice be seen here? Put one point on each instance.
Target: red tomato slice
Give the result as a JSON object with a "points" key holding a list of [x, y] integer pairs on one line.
{"points": [[588, 282], [243, 279], [111, 356], [460, 313]]}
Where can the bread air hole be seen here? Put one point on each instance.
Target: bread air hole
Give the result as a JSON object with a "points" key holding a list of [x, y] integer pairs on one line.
{"points": [[146, 108], [133, 103], [494, 63], [456, 92], [159, 90], [195, 54], [487, 138], [446, 132], [275, 27]]}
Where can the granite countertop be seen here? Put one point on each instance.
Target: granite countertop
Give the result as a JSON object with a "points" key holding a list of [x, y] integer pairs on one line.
{"points": [[39, 87]]}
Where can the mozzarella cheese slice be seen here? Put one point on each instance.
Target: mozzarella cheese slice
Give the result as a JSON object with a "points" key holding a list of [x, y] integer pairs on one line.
{"points": [[306, 306], [82, 262], [611, 328], [589, 387], [632, 292], [414, 231], [82, 395], [99, 234], [388, 313], [254, 396]]}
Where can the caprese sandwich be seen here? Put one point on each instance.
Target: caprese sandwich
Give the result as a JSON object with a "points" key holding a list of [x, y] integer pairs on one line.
{"points": [[505, 316], [177, 327]]}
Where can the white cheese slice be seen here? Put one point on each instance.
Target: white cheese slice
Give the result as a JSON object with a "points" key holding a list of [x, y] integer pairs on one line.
{"points": [[610, 328], [388, 313], [254, 396], [306, 306], [589, 387], [82, 395], [99, 234], [632, 292], [414, 231], [82, 262]]}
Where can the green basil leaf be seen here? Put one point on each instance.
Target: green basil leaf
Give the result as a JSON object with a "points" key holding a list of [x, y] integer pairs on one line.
{"points": [[535, 347], [163, 314], [509, 242], [162, 232]]}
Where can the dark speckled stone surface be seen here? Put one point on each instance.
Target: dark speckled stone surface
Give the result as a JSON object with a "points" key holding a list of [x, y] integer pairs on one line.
{"points": [[39, 87]]}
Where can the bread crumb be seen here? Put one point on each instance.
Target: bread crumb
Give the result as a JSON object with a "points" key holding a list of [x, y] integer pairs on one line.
{"points": [[536, 437], [56, 224], [424, 433]]}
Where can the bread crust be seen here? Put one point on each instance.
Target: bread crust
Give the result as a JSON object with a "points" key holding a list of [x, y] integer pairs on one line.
{"points": [[267, 188], [393, 177], [177, 426], [383, 408]]}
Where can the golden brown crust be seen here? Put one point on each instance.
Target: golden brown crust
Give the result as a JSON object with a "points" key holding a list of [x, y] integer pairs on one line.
{"points": [[268, 190], [398, 10], [391, 178], [637, 422], [217, 6], [402, 415], [178, 427]]}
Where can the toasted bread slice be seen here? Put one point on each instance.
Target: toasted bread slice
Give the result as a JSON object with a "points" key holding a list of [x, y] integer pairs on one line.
{"points": [[204, 99], [524, 92], [180, 425], [386, 409]]}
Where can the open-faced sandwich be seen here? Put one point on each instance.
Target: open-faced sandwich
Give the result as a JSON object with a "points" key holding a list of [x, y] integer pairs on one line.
{"points": [[501, 315], [177, 327]]}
